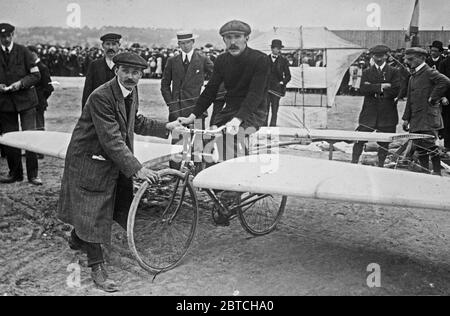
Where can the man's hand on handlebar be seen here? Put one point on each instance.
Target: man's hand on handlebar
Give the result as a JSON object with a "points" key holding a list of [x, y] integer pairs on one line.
{"points": [[187, 120], [147, 175]]}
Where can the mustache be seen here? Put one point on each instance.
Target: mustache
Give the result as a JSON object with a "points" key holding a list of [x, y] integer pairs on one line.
{"points": [[130, 81], [233, 47], [110, 51]]}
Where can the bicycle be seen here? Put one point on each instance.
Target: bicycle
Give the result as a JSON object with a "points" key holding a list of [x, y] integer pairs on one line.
{"points": [[160, 233]]}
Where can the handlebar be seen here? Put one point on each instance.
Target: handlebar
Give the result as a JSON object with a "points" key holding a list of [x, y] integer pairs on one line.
{"points": [[211, 132]]}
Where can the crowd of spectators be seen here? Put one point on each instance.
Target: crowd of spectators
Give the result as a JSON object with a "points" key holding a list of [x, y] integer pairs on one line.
{"points": [[74, 61]]}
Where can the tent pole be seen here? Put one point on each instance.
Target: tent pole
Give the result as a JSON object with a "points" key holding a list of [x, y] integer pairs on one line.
{"points": [[303, 75]]}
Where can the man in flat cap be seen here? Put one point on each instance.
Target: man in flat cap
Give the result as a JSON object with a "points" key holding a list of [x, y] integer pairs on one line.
{"points": [[97, 183], [183, 79], [18, 98], [244, 72], [436, 57], [280, 75], [380, 85], [101, 70], [422, 115]]}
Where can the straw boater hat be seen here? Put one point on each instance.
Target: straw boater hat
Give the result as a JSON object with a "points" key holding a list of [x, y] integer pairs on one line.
{"points": [[185, 35]]}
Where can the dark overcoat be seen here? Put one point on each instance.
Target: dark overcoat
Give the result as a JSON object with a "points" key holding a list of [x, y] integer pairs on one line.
{"points": [[181, 89], [98, 74], [425, 116], [379, 107], [20, 66], [101, 150], [279, 72]]}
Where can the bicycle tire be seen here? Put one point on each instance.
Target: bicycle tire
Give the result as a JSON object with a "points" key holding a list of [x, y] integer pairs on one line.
{"points": [[157, 244], [260, 218]]}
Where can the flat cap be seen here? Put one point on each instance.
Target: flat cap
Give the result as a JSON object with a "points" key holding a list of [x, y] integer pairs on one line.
{"points": [[416, 50], [380, 49], [6, 29], [235, 26], [111, 37], [130, 59]]}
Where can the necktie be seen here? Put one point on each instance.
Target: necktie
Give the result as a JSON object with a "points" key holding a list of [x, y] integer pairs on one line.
{"points": [[6, 56], [128, 103], [186, 64]]}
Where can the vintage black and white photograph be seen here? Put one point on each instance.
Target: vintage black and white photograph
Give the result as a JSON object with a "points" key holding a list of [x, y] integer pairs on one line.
{"points": [[232, 149]]}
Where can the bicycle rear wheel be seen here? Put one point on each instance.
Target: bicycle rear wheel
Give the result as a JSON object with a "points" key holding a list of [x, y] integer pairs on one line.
{"points": [[162, 222], [259, 214]]}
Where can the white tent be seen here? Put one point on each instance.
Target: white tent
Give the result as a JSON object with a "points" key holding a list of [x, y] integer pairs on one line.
{"points": [[338, 55]]}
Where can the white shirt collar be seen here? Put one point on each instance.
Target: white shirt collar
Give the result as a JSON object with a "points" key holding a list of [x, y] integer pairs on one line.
{"points": [[381, 67], [110, 63], [189, 55], [420, 66], [124, 90], [10, 47]]}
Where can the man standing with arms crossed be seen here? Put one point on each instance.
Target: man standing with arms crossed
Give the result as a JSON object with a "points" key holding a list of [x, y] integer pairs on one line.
{"points": [[380, 85]]}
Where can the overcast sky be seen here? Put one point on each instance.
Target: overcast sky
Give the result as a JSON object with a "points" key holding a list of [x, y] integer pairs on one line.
{"points": [[211, 14]]}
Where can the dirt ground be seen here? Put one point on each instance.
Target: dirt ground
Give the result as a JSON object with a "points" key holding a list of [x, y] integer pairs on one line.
{"points": [[319, 248]]}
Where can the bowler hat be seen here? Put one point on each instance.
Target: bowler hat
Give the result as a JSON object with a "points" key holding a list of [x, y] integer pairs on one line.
{"points": [[130, 59], [439, 45], [6, 29], [235, 26], [277, 43]]}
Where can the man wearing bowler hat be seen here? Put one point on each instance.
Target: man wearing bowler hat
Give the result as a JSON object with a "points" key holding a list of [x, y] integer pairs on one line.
{"points": [[280, 76], [380, 85], [18, 98], [436, 58], [422, 115], [97, 185], [101, 70]]}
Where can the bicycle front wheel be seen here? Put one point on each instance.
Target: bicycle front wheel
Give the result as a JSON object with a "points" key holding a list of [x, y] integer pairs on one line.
{"points": [[162, 221], [259, 214]]}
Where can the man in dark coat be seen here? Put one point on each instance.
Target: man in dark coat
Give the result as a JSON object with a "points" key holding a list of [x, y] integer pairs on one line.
{"points": [[182, 81], [436, 57], [97, 183], [184, 77], [101, 70], [44, 89], [245, 75], [380, 85], [423, 107], [18, 75], [280, 76]]}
